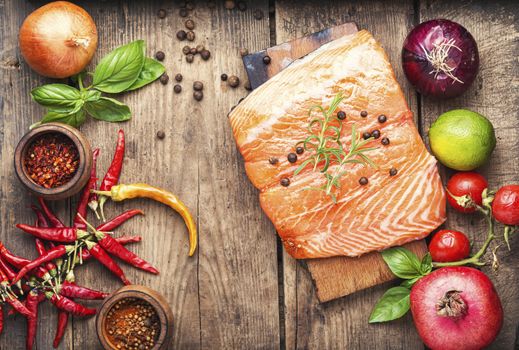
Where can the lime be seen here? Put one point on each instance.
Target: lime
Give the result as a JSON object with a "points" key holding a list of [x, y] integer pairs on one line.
{"points": [[461, 139]]}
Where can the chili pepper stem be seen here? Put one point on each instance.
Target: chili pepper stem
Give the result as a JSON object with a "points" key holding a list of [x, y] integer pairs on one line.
{"points": [[102, 201]]}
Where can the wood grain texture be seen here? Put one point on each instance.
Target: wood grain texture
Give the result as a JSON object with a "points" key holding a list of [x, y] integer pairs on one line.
{"points": [[495, 26], [343, 323]]}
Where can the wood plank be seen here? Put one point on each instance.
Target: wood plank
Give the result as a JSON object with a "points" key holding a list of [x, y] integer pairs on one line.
{"points": [[494, 94], [343, 323]]}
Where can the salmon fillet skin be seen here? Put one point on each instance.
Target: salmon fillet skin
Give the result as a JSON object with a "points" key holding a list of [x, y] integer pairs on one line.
{"points": [[389, 210]]}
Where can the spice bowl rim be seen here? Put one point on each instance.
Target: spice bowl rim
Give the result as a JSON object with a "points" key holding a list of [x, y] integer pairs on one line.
{"points": [[80, 178], [154, 298]]}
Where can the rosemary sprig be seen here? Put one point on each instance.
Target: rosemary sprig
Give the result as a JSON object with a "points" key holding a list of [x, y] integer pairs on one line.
{"points": [[326, 147]]}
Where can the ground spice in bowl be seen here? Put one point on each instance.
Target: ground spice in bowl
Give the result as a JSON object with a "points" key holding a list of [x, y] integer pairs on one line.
{"points": [[51, 160], [132, 324]]}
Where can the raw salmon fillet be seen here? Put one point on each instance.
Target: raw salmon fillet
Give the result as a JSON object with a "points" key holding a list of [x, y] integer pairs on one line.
{"points": [[389, 210]]}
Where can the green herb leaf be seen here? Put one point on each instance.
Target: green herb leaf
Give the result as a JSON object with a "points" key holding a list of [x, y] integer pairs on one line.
{"points": [[150, 72], [75, 118], [56, 95], [410, 283], [426, 265], [108, 109], [402, 262], [118, 70], [394, 304], [90, 95]]}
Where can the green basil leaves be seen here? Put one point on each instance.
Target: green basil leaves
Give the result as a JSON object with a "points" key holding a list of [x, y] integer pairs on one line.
{"points": [[406, 265], [124, 69]]}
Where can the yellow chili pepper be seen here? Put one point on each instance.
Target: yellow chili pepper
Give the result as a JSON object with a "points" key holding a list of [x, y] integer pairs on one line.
{"points": [[141, 190]]}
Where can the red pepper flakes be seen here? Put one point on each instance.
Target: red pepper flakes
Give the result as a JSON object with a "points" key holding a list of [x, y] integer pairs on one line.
{"points": [[51, 160]]}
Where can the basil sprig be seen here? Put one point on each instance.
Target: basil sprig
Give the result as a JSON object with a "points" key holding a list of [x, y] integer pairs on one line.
{"points": [[124, 69], [404, 264]]}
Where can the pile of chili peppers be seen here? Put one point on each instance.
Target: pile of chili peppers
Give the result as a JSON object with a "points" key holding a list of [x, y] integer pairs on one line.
{"points": [[61, 249]]}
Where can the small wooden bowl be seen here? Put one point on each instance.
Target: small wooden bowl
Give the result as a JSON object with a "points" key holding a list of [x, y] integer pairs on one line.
{"points": [[82, 174], [156, 300]]}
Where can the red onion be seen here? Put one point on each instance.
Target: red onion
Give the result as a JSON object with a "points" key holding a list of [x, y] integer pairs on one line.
{"points": [[440, 58]]}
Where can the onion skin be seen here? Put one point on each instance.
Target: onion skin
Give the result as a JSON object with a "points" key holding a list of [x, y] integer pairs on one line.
{"points": [[418, 68], [476, 329], [58, 39]]}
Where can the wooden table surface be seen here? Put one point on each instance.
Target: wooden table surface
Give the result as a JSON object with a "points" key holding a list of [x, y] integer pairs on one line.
{"points": [[241, 290]]}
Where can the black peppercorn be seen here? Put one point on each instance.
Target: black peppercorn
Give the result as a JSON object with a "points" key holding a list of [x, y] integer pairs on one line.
{"points": [[382, 118], [178, 77], [247, 86], [161, 134], [299, 150], [292, 157], [205, 54], [242, 6], [244, 52], [183, 12], [223, 77], [190, 58], [199, 48], [385, 141], [186, 49], [363, 181], [341, 115], [162, 13], [273, 160], [164, 78], [190, 24], [285, 182], [393, 172], [192, 51], [181, 35], [375, 134], [177, 88], [234, 81], [363, 114], [258, 14], [198, 95], [198, 86], [159, 55], [366, 135], [266, 60], [190, 35]]}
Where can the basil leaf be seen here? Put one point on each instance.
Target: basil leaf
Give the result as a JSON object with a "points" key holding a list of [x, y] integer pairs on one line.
{"points": [[56, 95], [426, 265], [108, 109], [394, 304], [90, 95], [402, 262], [118, 70], [150, 72], [74, 119], [410, 283]]}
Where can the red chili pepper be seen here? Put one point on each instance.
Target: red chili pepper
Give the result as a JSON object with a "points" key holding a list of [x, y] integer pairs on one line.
{"points": [[55, 222], [115, 248], [52, 254], [82, 206], [32, 303], [114, 171], [72, 290], [18, 306], [57, 234], [20, 262], [62, 326], [119, 220], [49, 265], [42, 220], [1, 319], [8, 271], [65, 304], [99, 253], [85, 253]]}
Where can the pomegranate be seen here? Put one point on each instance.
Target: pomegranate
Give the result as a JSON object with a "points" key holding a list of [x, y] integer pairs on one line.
{"points": [[456, 308]]}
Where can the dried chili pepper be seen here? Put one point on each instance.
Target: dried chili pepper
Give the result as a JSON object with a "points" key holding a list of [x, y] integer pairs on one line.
{"points": [[54, 221], [72, 290], [114, 171], [65, 304], [10, 299], [102, 256], [32, 302], [49, 265], [56, 234], [7, 269], [52, 254], [82, 206], [117, 221], [85, 253], [20, 262], [1, 319], [42, 220], [115, 248], [140, 190], [62, 326]]}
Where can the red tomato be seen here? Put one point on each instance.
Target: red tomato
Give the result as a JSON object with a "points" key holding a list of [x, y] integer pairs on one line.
{"points": [[466, 183], [505, 206], [448, 245]]}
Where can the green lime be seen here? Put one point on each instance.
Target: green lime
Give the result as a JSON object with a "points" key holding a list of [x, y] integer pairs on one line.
{"points": [[462, 139]]}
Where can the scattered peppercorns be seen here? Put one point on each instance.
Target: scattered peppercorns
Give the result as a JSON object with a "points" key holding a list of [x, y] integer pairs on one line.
{"points": [[205, 54], [186, 49], [385, 141], [198, 95], [258, 14], [234, 81], [164, 78], [190, 58], [266, 60], [159, 55], [300, 150], [363, 181], [247, 86], [375, 134], [223, 77], [181, 35], [341, 115], [190, 24], [179, 77], [198, 86], [161, 134], [190, 35], [162, 13], [382, 118], [292, 157], [393, 172], [177, 88], [273, 160], [285, 182], [192, 51], [363, 114], [183, 12], [242, 6], [366, 135], [230, 4], [199, 48]]}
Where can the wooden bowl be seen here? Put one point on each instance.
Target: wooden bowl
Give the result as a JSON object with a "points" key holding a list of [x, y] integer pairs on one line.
{"points": [[156, 300], [80, 178]]}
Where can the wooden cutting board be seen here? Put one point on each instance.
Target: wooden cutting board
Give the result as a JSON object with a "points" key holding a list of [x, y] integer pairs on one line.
{"points": [[338, 276]]}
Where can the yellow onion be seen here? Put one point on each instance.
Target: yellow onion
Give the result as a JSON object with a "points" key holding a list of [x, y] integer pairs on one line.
{"points": [[58, 39]]}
